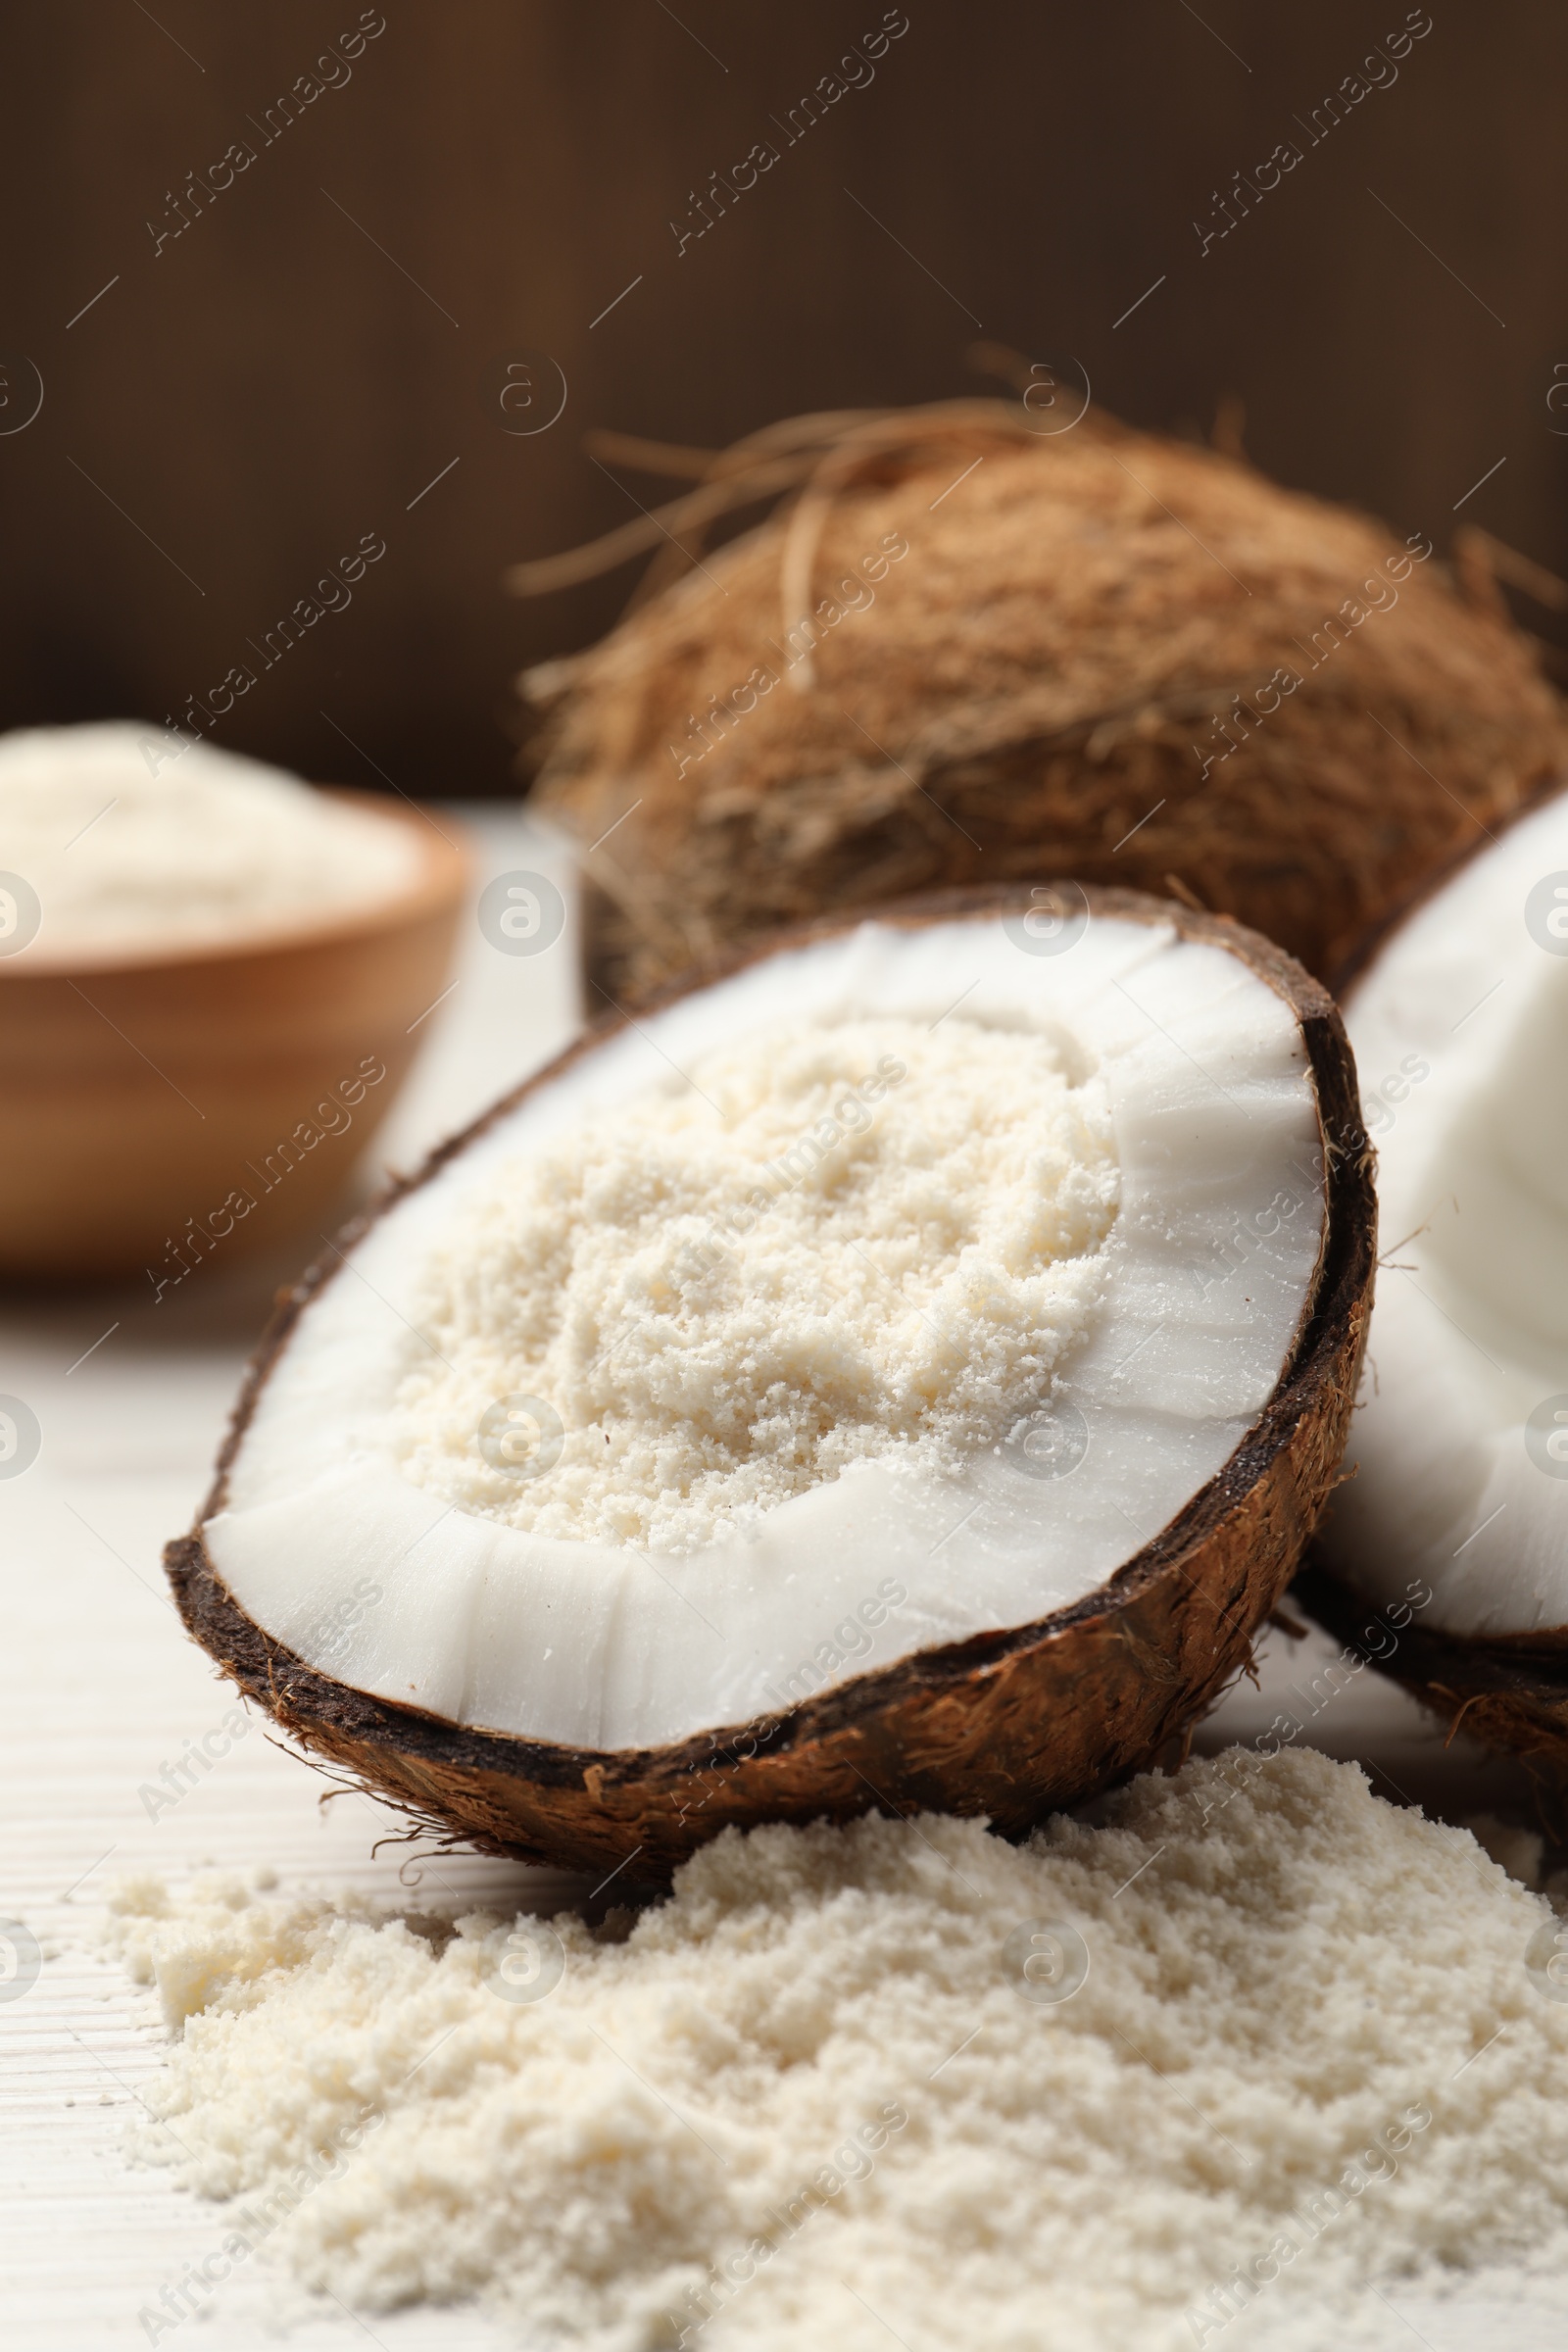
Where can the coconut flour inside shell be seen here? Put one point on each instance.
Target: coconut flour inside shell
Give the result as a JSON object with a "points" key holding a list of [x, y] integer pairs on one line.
{"points": [[838, 1243]]}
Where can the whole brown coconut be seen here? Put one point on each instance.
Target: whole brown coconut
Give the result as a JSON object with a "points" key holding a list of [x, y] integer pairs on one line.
{"points": [[968, 650], [1013, 1723]]}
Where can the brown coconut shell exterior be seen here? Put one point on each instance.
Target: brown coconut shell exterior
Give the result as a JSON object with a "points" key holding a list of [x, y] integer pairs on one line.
{"points": [[1033, 693], [1012, 1724], [1508, 1694]]}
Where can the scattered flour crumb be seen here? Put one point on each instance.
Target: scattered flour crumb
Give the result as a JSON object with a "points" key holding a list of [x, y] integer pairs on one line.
{"points": [[128, 846], [807, 2101], [839, 1242]]}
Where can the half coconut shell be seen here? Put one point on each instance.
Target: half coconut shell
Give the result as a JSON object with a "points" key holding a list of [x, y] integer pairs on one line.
{"points": [[1506, 1692], [1507, 1689], [1011, 1724]]}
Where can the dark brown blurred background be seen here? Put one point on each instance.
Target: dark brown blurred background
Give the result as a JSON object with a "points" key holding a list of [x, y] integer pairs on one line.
{"points": [[329, 335]]}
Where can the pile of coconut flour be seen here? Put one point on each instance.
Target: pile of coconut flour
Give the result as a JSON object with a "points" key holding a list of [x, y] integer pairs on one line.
{"points": [[129, 840], [813, 2098], [836, 1243]]}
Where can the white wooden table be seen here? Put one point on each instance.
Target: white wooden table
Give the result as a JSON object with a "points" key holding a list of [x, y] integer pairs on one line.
{"points": [[99, 1689]]}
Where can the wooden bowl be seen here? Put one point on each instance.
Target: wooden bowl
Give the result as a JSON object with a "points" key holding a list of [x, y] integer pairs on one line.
{"points": [[164, 1107]]}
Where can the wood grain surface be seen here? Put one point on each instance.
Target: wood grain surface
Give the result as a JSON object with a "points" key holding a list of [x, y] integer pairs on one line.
{"points": [[319, 352]]}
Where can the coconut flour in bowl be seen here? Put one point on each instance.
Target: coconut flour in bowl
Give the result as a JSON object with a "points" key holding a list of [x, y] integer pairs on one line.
{"points": [[130, 844], [1199, 2074]]}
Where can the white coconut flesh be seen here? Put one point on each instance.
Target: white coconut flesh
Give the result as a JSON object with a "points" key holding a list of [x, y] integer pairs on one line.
{"points": [[557, 1452], [1460, 1446]]}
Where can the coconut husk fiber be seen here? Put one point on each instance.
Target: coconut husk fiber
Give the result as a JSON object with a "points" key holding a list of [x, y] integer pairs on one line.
{"points": [[1081, 620]]}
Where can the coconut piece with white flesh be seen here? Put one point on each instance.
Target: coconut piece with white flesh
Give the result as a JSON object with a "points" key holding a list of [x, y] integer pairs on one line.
{"points": [[907, 1366], [1459, 1450]]}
